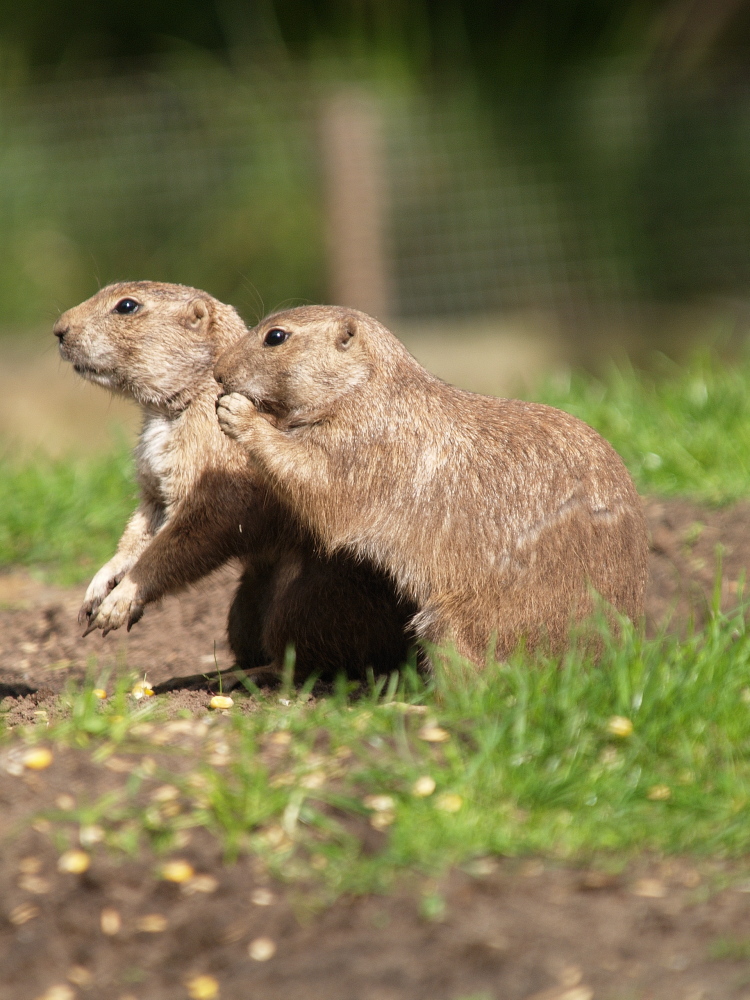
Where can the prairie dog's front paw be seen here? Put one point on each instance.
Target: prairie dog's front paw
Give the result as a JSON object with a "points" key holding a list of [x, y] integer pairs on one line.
{"points": [[120, 607], [103, 582], [236, 414]]}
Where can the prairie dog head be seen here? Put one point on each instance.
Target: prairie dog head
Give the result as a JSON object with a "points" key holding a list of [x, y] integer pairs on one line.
{"points": [[153, 342], [299, 362]]}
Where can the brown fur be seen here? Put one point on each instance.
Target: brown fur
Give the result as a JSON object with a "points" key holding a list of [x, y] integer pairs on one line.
{"points": [[201, 503], [495, 517]]}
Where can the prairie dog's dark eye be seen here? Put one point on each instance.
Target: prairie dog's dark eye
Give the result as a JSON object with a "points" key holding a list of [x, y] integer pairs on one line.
{"points": [[126, 307], [275, 337]]}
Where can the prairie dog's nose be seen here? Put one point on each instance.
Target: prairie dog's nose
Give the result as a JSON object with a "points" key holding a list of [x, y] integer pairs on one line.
{"points": [[60, 329]]}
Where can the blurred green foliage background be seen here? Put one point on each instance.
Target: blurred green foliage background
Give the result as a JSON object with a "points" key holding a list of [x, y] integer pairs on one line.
{"points": [[535, 152]]}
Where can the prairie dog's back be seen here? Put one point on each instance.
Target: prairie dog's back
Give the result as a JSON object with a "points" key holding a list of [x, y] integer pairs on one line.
{"points": [[495, 516]]}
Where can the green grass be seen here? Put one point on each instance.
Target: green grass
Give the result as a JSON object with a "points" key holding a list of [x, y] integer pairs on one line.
{"points": [[529, 764], [64, 515], [686, 431]]}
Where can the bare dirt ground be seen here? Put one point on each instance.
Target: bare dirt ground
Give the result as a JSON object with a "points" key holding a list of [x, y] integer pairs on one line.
{"points": [[41, 645], [675, 929]]}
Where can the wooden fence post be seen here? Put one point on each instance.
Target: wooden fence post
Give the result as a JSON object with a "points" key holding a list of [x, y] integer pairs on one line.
{"points": [[354, 169]]}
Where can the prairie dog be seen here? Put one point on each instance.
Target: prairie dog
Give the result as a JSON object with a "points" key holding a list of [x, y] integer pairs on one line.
{"points": [[495, 517], [201, 503]]}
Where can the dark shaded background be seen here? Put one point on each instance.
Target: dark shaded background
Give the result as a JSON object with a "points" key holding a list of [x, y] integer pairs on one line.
{"points": [[590, 159]]}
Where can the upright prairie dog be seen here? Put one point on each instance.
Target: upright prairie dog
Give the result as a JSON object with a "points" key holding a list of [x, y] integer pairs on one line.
{"points": [[201, 503], [496, 517]]}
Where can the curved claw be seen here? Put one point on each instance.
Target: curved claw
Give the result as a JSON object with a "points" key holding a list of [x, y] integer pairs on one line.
{"points": [[91, 627], [136, 614]]}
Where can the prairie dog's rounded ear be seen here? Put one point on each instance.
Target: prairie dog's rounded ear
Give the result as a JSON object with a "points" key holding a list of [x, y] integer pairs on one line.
{"points": [[198, 314], [346, 334]]}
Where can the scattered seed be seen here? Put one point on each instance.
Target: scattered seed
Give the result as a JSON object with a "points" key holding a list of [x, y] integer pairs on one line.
{"points": [[316, 779], [12, 764], [379, 803], [110, 921], [620, 726], [142, 689], [275, 836], [99, 693], [34, 884], [262, 897], [91, 834], [152, 923], [261, 949], [380, 820], [118, 765], [30, 865], [177, 871], [202, 988], [651, 888], [65, 802], [73, 862], [449, 802], [79, 975], [201, 883], [406, 708], [37, 759], [221, 701], [165, 793], [433, 734], [22, 914], [60, 992], [423, 786], [659, 793]]}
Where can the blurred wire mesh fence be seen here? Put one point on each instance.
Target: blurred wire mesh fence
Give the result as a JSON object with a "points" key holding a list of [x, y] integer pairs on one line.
{"points": [[616, 190]]}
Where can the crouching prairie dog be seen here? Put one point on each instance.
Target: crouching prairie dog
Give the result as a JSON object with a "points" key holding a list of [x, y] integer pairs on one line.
{"points": [[496, 517], [202, 504]]}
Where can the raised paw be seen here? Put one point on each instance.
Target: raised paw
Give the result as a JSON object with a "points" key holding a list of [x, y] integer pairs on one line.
{"points": [[235, 414], [121, 607]]}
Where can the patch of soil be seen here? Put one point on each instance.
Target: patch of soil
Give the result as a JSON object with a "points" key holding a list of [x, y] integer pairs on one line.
{"points": [[513, 931], [509, 930], [41, 644]]}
